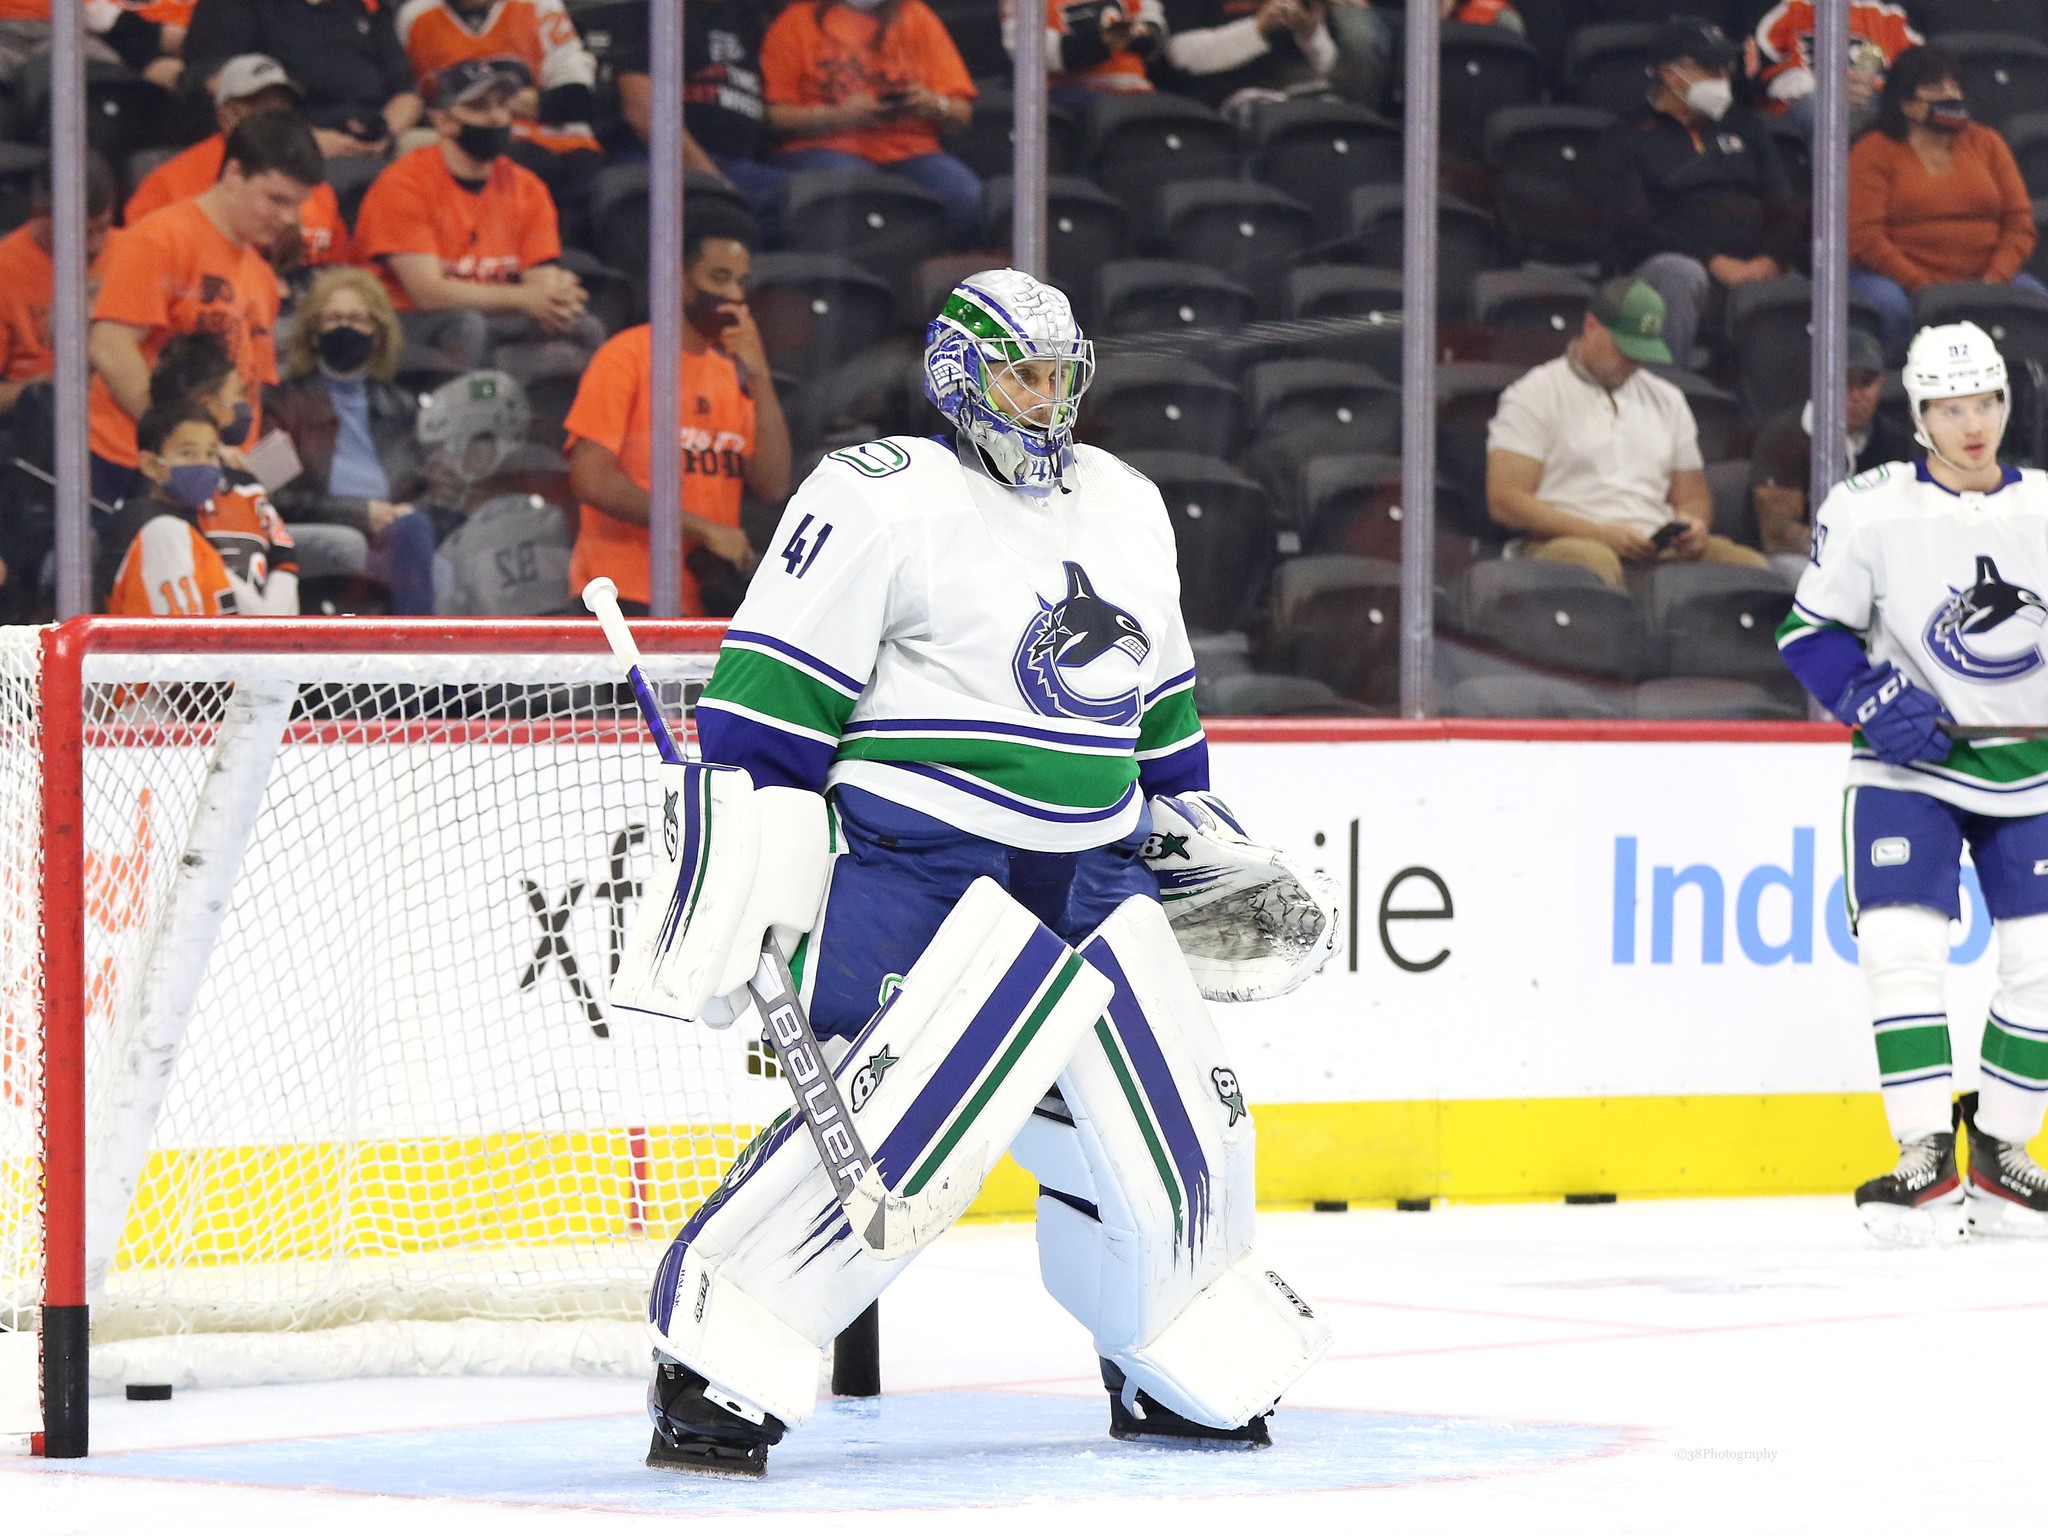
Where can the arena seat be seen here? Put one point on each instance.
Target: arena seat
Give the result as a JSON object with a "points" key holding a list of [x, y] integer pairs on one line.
{"points": [[988, 144], [879, 393], [2004, 74], [1769, 330], [817, 310], [1263, 693], [1559, 616], [977, 31], [1301, 407], [1944, 18], [2017, 318], [1480, 70], [1713, 698], [1138, 143], [1734, 512], [1316, 151], [1085, 229], [1607, 66], [1724, 427], [1547, 203], [1529, 316], [1337, 291], [1223, 535], [1717, 620], [1532, 696], [1141, 402], [1245, 230], [1351, 504], [884, 223], [1337, 619], [1145, 295], [1465, 241], [2026, 135]]}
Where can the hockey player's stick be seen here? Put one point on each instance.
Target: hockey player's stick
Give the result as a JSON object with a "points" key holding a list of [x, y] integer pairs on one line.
{"points": [[889, 1226], [1957, 732]]}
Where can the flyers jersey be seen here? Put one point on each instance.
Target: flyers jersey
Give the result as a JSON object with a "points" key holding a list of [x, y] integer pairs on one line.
{"points": [[1948, 587], [233, 556]]}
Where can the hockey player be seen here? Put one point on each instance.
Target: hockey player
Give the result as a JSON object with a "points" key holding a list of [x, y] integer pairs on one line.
{"points": [[958, 761], [1921, 610]]}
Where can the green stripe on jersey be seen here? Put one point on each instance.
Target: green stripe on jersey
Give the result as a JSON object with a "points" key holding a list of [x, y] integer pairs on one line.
{"points": [[1911, 1048], [1074, 780], [1170, 720], [2021, 1056], [1142, 1113], [1026, 1033], [772, 686], [2007, 763]]}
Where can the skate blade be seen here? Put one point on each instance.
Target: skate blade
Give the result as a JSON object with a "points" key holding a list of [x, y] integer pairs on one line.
{"points": [[663, 1459], [1940, 1225], [1995, 1216], [1186, 1442]]}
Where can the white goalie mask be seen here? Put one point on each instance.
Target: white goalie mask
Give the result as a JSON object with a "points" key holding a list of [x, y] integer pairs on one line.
{"points": [[1007, 365]]}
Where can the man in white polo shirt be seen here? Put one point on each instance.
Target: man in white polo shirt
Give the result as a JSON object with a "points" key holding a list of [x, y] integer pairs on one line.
{"points": [[1596, 462]]}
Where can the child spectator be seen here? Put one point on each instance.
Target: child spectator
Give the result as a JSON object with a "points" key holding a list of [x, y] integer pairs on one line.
{"points": [[183, 546], [245, 86], [468, 240], [343, 53], [852, 85], [1094, 46], [551, 116], [1782, 51], [734, 437], [1933, 197], [197, 265], [725, 119], [28, 281]]}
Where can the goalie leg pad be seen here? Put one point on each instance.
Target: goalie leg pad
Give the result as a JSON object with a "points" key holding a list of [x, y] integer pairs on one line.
{"points": [[1150, 1247], [768, 1271]]}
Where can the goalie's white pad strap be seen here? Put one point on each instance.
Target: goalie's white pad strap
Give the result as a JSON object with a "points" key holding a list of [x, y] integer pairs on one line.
{"points": [[679, 944], [1252, 921], [938, 1083], [1167, 1200]]}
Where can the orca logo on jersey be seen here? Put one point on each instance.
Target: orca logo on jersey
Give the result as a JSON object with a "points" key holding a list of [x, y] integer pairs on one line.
{"points": [[1079, 643], [1996, 611]]}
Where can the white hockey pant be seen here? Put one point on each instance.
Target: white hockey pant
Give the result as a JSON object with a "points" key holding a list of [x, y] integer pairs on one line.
{"points": [[768, 1271], [1146, 1201]]}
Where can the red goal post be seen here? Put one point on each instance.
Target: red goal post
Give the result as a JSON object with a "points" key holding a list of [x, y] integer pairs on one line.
{"points": [[302, 861]]}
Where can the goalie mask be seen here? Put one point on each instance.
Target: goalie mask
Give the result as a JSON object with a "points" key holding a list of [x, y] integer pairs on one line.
{"points": [[1007, 365], [475, 424]]}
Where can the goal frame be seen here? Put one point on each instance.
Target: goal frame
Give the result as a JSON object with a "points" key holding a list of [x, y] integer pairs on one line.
{"points": [[66, 649]]}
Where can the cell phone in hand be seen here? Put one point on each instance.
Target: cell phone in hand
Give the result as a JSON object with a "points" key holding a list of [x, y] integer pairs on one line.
{"points": [[1667, 536]]}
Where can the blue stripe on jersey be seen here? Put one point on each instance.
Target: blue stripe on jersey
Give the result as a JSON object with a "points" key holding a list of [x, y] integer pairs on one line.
{"points": [[992, 728], [771, 757], [978, 1045], [994, 796], [802, 658], [1169, 685], [1178, 773]]}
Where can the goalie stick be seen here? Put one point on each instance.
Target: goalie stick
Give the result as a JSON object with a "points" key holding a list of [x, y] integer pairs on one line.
{"points": [[889, 1226]]}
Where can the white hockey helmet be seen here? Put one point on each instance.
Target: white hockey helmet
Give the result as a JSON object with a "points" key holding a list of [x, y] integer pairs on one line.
{"points": [[1946, 362], [477, 421], [991, 322]]}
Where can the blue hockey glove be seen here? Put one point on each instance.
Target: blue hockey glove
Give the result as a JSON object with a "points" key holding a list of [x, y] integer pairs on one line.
{"points": [[1900, 719]]}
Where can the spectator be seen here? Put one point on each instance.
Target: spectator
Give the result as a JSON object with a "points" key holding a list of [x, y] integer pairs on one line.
{"points": [[354, 432], [468, 240], [245, 86], [1481, 13], [1781, 461], [1933, 197], [725, 118], [875, 83], [509, 550], [1218, 50], [1094, 47], [182, 546], [343, 53], [158, 50], [196, 265], [551, 133], [1699, 202], [733, 432], [1595, 462], [1783, 54], [28, 281], [113, 34]]}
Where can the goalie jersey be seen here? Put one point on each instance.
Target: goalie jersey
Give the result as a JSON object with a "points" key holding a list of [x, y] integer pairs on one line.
{"points": [[1948, 587], [1014, 667]]}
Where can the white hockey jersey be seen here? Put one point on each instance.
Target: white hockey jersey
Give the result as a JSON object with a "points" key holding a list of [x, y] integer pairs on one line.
{"points": [[1947, 586], [1010, 666]]}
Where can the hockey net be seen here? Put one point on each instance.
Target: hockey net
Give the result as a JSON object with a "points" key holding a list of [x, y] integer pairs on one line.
{"points": [[333, 934]]}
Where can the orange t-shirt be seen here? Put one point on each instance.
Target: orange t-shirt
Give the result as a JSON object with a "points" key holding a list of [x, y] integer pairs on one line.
{"points": [[538, 33], [1123, 67], [418, 208], [24, 10], [27, 281], [323, 237], [805, 64], [613, 409], [176, 272]]}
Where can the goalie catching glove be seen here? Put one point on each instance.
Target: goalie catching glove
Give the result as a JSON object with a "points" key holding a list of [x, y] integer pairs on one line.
{"points": [[1250, 921], [737, 865]]}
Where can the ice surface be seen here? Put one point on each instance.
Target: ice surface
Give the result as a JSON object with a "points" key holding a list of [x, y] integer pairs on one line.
{"points": [[1656, 1367]]}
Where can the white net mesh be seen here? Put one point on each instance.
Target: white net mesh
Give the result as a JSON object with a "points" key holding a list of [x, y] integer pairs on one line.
{"points": [[20, 949], [400, 1096]]}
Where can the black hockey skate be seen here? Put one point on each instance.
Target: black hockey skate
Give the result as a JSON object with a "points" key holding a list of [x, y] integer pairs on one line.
{"points": [[2008, 1190], [694, 1434], [1920, 1201], [1151, 1424]]}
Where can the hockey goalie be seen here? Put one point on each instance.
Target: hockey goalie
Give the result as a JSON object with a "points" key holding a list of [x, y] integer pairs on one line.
{"points": [[952, 771]]}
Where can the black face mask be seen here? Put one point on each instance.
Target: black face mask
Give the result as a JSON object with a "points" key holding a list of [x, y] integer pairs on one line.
{"points": [[239, 421], [708, 316], [1949, 112], [482, 142], [345, 349]]}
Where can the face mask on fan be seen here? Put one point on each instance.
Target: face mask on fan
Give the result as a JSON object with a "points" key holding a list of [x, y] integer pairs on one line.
{"points": [[483, 142], [1949, 113], [346, 349], [192, 485], [1710, 98]]}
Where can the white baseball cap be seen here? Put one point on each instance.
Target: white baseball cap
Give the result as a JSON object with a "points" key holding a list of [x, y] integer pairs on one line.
{"points": [[246, 74]]}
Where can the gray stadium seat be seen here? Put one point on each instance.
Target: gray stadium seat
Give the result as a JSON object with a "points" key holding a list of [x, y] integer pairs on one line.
{"points": [[1723, 425], [1323, 407], [1247, 231], [1261, 693], [1734, 512], [1548, 205], [1223, 535], [816, 310], [2004, 74], [1532, 696], [2017, 318], [1607, 65], [1717, 620], [1316, 150], [1558, 616], [1336, 618], [884, 223], [1712, 698], [1141, 402], [1481, 69], [1530, 317], [1163, 296], [1139, 142]]}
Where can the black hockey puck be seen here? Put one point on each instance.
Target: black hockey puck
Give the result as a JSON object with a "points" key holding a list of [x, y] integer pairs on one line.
{"points": [[1333, 1205], [1597, 1197], [1417, 1203], [149, 1391]]}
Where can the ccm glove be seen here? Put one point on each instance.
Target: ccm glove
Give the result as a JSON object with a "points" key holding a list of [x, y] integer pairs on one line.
{"points": [[1900, 719]]}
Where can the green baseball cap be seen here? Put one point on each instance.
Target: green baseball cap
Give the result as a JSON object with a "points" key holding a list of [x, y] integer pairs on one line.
{"points": [[1634, 312]]}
